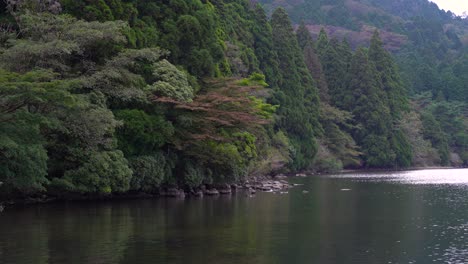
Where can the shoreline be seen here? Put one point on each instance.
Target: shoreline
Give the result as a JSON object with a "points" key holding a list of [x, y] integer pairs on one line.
{"points": [[276, 183], [263, 184]]}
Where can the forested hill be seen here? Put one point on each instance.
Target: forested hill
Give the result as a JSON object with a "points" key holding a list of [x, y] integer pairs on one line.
{"points": [[430, 44], [114, 96]]}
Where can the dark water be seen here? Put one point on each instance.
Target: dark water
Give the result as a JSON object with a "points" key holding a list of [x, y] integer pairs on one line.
{"points": [[406, 217]]}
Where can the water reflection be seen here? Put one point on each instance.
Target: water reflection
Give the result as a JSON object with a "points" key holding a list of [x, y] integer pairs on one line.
{"points": [[436, 176], [383, 218]]}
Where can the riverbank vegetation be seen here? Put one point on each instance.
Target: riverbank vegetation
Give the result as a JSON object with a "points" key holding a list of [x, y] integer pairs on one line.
{"points": [[130, 96]]}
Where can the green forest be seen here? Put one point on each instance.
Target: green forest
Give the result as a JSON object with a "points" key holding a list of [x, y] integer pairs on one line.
{"points": [[116, 96]]}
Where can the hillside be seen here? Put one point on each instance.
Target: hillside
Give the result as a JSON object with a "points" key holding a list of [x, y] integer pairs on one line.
{"points": [[415, 28], [112, 96]]}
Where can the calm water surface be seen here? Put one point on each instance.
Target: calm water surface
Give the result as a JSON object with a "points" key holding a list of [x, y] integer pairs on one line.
{"points": [[402, 217]]}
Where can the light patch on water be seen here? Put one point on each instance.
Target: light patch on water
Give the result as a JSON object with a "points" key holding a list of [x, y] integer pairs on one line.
{"points": [[433, 177], [446, 188], [454, 255]]}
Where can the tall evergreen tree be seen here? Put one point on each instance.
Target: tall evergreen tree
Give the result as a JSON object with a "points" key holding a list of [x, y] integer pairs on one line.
{"points": [[389, 76], [303, 36], [335, 66], [339, 143], [366, 100], [396, 97], [263, 44], [297, 95], [312, 61]]}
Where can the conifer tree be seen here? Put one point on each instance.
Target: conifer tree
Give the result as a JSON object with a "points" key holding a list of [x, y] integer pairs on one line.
{"points": [[389, 76], [339, 143], [297, 95], [303, 36], [334, 67], [396, 97], [263, 44], [366, 100], [312, 61]]}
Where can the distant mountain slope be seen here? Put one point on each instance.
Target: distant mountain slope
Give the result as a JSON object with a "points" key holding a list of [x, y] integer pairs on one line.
{"points": [[351, 17], [426, 40]]}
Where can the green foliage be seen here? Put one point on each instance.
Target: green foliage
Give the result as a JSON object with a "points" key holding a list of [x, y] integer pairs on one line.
{"points": [[17, 7], [446, 127], [376, 149], [433, 132], [170, 82], [297, 95], [148, 172], [142, 133], [403, 149], [263, 45], [326, 162], [254, 79], [396, 97], [104, 172], [225, 160], [389, 76], [124, 78], [195, 174], [336, 140], [23, 158], [236, 23], [55, 42], [95, 106], [335, 59], [365, 99], [338, 147], [422, 151], [186, 28]]}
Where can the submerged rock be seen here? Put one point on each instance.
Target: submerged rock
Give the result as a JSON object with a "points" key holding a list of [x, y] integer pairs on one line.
{"points": [[263, 188], [211, 192], [197, 193], [225, 191], [281, 176], [173, 192]]}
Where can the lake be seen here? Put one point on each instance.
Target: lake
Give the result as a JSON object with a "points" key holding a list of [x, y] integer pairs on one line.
{"points": [[384, 217]]}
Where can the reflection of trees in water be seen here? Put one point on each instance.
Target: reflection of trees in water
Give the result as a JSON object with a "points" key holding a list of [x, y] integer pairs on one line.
{"points": [[84, 233], [223, 229], [374, 222], [89, 233], [368, 224], [34, 241]]}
